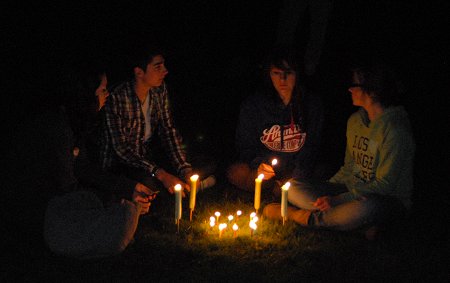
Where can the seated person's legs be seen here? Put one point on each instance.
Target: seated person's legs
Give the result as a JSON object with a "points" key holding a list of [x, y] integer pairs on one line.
{"points": [[77, 225], [370, 210], [241, 176]]}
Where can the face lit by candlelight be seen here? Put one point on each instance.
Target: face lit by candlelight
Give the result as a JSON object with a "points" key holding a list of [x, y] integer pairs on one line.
{"points": [[154, 74], [283, 81], [359, 97]]}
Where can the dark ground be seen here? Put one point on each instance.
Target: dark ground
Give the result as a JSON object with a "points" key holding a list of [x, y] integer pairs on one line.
{"points": [[213, 53]]}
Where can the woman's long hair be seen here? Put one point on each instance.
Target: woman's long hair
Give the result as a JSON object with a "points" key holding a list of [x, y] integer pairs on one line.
{"points": [[285, 59]]}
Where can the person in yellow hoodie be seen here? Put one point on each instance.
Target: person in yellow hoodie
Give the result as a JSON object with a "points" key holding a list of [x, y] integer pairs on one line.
{"points": [[374, 185]]}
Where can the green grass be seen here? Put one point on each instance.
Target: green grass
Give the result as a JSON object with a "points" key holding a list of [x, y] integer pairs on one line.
{"points": [[275, 253]]}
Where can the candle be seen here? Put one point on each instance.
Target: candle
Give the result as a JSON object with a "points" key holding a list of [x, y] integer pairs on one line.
{"points": [[217, 214], [258, 182], [230, 218], [274, 162], [221, 227], [238, 213], [212, 219], [284, 196], [235, 228], [252, 227], [177, 202], [192, 194]]}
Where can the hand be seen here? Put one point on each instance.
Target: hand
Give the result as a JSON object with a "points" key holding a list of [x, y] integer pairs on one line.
{"points": [[267, 170], [187, 173], [323, 203], [144, 196], [169, 181]]}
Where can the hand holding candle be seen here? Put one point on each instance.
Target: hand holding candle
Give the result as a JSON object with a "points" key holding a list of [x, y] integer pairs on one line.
{"points": [[284, 197], [258, 182], [267, 170]]}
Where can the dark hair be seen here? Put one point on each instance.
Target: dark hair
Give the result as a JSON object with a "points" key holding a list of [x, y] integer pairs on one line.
{"points": [[379, 81], [285, 59], [142, 55]]}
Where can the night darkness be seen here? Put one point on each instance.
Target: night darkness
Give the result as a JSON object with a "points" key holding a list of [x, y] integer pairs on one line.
{"points": [[213, 52]]}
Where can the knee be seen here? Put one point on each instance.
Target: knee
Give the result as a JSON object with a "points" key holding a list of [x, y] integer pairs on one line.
{"points": [[239, 175]]}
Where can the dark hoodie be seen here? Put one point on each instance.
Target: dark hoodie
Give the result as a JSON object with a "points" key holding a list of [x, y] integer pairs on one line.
{"points": [[259, 139]]}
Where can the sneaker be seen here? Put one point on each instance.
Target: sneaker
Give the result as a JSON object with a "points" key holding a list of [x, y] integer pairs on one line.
{"points": [[208, 182]]}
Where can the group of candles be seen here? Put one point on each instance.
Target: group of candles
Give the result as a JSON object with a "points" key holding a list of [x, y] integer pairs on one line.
{"points": [[222, 226], [192, 196], [235, 227]]}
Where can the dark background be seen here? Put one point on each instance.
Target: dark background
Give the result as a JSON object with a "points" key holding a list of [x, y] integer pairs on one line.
{"points": [[213, 52]]}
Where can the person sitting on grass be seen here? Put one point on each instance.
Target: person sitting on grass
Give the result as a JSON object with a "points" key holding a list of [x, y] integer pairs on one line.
{"points": [[373, 187], [282, 121], [92, 213]]}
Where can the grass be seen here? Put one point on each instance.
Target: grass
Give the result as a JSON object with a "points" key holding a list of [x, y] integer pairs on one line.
{"points": [[275, 253]]}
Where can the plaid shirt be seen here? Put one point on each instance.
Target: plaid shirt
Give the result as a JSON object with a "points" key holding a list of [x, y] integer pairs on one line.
{"points": [[125, 129]]}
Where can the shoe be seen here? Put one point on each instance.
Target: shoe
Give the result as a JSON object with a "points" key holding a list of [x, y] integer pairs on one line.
{"points": [[272, 211], [300, 216], [208, 182]]}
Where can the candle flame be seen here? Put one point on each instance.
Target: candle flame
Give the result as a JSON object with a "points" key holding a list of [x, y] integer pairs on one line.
{"points": [[235, 227], [274, 162], [286, 186], [194, 178], [177, 187], [253, 214], [222, 226], [238, 212], [212, 219], [217, 213], [212, 223], [261, 176], [253, 225], [255, 219], [230, 217]]}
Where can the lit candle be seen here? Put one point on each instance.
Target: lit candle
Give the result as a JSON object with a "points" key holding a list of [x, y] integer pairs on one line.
{"points": [[253, 227], [235, 228], [177, 204], [238, 213], [192, 194], [255, 219], [284, 197], [217, 214], [212, 219], [258, 182], [253, 214], [221, 227], [274, 162], [230, 218]]}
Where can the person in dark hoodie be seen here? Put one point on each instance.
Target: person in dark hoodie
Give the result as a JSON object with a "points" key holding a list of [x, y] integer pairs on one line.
{"points": [[373, 188], [282, 121]]}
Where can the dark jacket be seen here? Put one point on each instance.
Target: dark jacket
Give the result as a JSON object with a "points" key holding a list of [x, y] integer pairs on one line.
{"points": [[259, 137]]}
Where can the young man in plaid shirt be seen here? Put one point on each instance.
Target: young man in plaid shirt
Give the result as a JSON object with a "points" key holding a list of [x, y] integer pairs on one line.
{"points": [[136, 111]]}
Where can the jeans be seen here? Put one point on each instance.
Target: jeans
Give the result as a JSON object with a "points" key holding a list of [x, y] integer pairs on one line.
{"points": [[347, 214]]}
